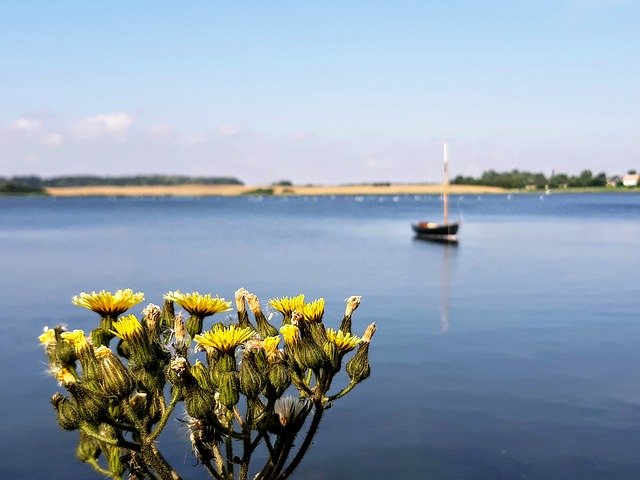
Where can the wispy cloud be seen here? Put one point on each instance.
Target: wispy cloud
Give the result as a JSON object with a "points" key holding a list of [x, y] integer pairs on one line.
{"points": [[109, 124], [115, 144], [27, 124]]}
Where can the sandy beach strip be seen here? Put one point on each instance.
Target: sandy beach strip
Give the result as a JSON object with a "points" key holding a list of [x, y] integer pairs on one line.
{"points": [[193, 190]]}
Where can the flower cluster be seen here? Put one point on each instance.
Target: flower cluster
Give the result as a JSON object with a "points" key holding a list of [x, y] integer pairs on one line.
{"points": [[243, 383]]}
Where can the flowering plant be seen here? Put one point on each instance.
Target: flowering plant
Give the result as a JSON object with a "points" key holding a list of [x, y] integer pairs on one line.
{"points": [[240, 390]]}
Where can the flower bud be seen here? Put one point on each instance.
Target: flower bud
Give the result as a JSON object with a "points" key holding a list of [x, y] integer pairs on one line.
{"points": [[243, 316], [279, 378], [228, 389], [263, 327], [114, 376], [250, 380], [200, 403], [100, 337], [309, 355], [201, 375], [91, 405], [168, 315], [352, 303], [358, 367], [67, 412], [152, 316], [180, 334], [194, 324]]}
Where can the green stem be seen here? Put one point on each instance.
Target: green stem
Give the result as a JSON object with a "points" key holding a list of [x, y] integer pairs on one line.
{"points": [[166, 414], [150, 454], [102, 471], [111, 441], [342, 392], [317, 416]]}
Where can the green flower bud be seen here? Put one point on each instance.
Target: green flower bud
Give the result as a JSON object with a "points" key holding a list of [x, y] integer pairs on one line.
{"points": [[200, 403], [100, 337], [168, 316], [279, 378], [228, 389], [201, 375], [263, 327], [333, 355], [260, 357], [358, 367], [124, 349], [194, 325], [225, 363], [91, 405], [67, 412], [115, 378], [318, 333], [64, 352], [251, 380], [309, 355]]}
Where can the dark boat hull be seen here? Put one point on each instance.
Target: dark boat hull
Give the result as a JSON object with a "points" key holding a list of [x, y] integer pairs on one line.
{"points": [[437, 232]]}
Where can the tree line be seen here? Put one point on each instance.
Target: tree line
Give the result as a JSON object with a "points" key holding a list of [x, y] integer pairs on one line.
{"points": [[36, 184], [521, 179]]}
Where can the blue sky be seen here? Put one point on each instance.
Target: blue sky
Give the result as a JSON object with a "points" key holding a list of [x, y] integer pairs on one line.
{"points": [[322, 92]]}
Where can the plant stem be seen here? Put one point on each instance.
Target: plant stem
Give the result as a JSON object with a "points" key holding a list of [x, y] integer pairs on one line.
{"points": [[165, 415], [317, 416], [342, 392]]}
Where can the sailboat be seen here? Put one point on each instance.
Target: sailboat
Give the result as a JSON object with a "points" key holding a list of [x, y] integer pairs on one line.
{"points": [[445, 231]]}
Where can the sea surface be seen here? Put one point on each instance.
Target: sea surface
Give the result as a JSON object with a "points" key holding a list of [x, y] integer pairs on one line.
{"points": [[513, 355]]}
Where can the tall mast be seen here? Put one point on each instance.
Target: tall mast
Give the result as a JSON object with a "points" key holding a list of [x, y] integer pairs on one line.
{"points": [[445, 193]]}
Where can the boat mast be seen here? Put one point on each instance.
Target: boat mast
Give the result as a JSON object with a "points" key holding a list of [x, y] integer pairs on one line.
{"points": [[445, 187]]}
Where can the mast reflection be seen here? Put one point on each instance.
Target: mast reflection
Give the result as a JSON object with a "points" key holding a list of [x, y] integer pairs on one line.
{"points": [[448, 250]]}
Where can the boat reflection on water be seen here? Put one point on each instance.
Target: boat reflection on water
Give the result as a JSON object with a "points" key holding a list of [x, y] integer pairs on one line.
{"points": [[447, 262], [445, 285]]}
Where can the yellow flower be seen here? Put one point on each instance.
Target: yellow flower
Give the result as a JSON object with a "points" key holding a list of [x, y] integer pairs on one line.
{"points": [[270, 345], [314, 311], [48, 336], [291, 334], [77, 339], [286, 305], [344, 342], [197, 304], [64, 376], [107, 303], [224, 339], [128, 328]]}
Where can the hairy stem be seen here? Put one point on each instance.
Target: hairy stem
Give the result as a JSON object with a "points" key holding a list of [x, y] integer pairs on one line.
{"points": [[315, 422]]}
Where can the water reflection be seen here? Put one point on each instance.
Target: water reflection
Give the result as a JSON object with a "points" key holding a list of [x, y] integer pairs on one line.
{"points": [[448, 250]]}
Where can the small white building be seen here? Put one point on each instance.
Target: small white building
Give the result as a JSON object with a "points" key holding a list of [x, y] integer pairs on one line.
{"points": [[631, 179]]}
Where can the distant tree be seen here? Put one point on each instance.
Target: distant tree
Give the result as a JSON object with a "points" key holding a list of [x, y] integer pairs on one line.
{"points": [[600, 180], [283, 183], [631, 172]]}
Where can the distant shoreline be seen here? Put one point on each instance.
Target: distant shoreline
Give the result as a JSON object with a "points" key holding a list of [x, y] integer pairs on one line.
{"points": [[278, 190]]}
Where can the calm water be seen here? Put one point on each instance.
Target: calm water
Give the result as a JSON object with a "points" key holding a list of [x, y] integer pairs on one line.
{"points": [[515, 355]]}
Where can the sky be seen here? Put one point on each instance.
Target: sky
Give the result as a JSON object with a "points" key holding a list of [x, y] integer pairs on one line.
{"points": [[318, 92]]}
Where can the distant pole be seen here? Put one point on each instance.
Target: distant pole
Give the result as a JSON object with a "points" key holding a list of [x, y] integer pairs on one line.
{"points": [[445, 193]]}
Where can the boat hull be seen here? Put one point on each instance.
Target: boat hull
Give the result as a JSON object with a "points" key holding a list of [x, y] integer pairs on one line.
{"points": [[437, 232]]}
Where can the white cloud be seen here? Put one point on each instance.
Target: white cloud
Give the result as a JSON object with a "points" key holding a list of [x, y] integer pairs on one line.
{"points": [[114, 124], [53, 140], [226, 130], [27, 124], [161, 130]]}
